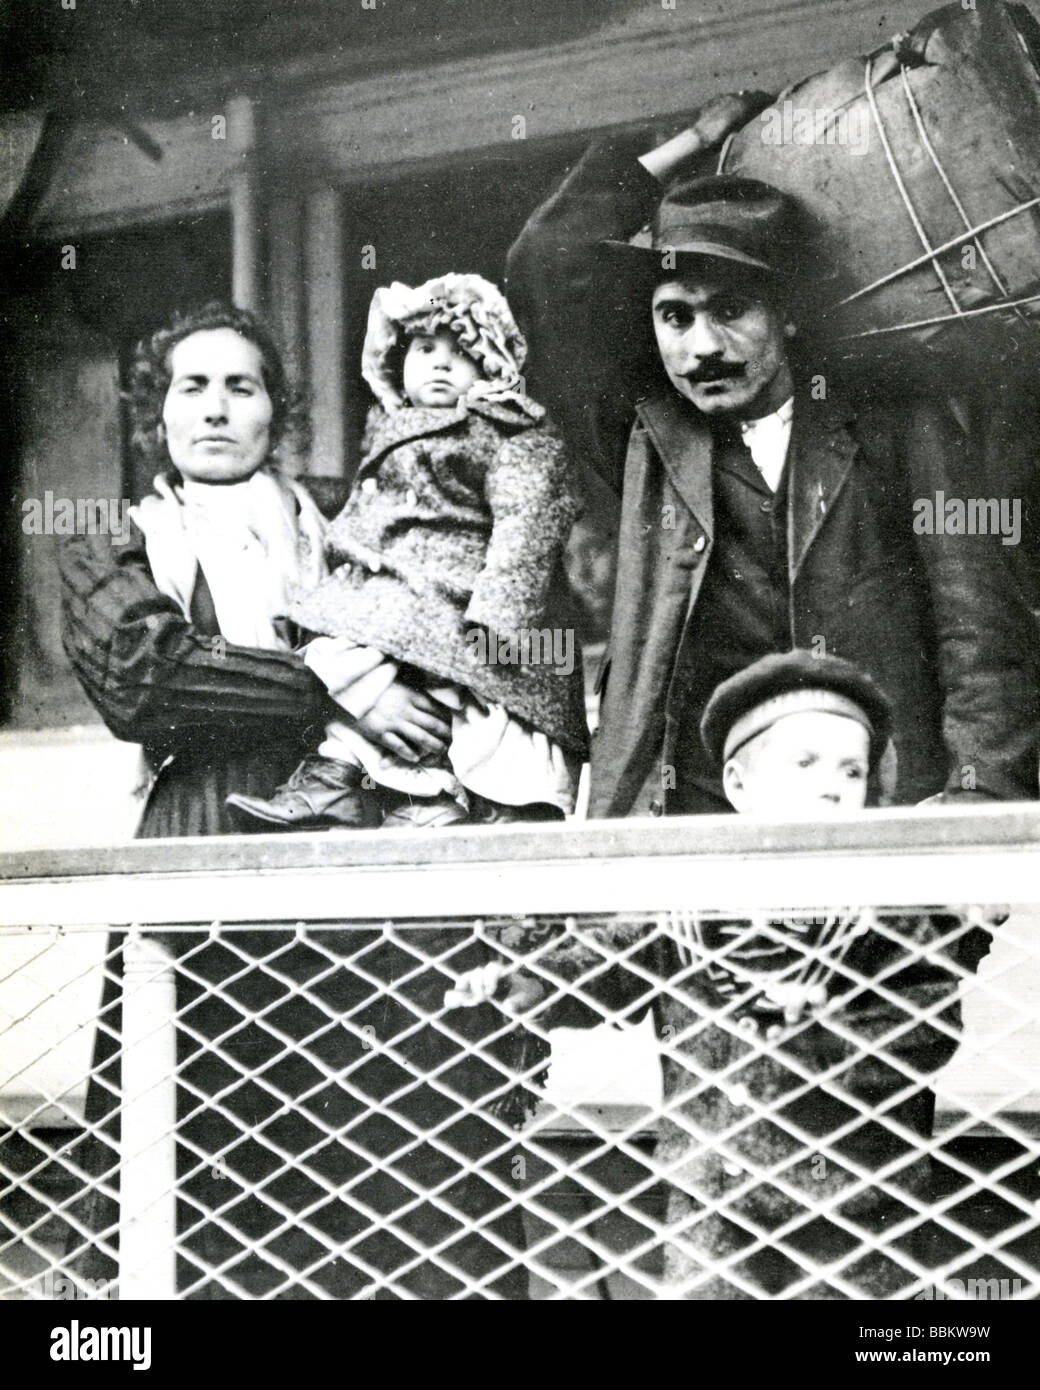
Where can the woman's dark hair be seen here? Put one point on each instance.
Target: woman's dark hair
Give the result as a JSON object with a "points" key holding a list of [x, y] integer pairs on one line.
{"points": [[150, 376]]}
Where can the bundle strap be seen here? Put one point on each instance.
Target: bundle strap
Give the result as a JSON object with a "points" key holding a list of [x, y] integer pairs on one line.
{"points": [[958, 240], [954, 199], [930, 253], [1004, 305]]}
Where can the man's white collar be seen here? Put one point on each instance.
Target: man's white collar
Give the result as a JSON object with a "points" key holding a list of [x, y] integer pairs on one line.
{"points": [[785, 414], [767, 440]]}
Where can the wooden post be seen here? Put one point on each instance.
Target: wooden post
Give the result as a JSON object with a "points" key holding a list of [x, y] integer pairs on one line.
{"points": [[285, 288], [326, 332], [148, 1148], [246, 259], [286, 299]]}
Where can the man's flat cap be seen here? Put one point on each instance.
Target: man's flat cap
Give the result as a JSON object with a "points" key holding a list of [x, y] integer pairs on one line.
{"points": [[792, 683]]}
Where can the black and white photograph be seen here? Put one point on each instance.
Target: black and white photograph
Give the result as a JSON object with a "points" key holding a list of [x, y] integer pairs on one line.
{"points": [[520, 685]]}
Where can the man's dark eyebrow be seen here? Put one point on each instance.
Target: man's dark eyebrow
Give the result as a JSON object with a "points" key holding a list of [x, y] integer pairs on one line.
{"points": [[712, 298]]}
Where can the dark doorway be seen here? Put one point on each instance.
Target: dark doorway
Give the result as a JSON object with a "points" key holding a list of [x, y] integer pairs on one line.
{"points": [[70, 328]]}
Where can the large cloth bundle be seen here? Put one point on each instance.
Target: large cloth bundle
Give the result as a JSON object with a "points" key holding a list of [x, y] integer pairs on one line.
{"points": [[919, 169]]}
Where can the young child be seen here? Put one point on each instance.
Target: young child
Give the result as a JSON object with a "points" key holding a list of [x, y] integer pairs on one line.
{"points": [[434, 633], [750, 1014]]}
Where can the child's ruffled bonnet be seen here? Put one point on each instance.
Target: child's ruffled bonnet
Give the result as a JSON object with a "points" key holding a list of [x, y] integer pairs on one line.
{"points": [[468, 306]]}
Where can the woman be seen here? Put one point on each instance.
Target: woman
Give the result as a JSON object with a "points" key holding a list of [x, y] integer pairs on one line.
{"points": [[172, 633], [175, 636]]}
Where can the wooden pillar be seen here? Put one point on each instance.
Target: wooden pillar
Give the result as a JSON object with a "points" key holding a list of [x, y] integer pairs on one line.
{"points": [[286, 300], [148, 1145], [246, 250], [326, 331]]}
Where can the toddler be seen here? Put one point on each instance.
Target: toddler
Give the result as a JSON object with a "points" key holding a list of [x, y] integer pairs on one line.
{"points": [[461, 699]]}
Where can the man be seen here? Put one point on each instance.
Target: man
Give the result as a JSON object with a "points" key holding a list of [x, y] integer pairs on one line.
{"points": [[759, 511]]}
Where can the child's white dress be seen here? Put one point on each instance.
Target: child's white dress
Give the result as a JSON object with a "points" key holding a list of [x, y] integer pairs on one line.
{"points": [[490, 752]]}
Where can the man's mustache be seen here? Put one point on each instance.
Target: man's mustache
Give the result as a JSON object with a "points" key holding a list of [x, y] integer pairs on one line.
{"points": [[715, 371]]}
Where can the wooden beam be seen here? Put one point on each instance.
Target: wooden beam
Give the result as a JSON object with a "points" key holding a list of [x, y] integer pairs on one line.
{"points": [[657, 65], [106, 182], [894, 858]]}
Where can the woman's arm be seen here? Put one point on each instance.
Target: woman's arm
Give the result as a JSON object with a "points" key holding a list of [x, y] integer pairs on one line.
{"points": [[156, 679]]}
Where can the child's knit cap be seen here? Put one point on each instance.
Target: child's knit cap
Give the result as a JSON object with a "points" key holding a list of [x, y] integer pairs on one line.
{"points": [[467, 306], [792, 683]]}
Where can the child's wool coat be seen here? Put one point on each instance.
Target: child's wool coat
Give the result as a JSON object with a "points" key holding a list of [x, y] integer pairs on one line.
{"points": [[451, 541]]}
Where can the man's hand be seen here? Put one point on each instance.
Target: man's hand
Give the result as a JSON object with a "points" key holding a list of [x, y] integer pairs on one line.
{"points": [[713, 122], [409, 723], [481, 985]]}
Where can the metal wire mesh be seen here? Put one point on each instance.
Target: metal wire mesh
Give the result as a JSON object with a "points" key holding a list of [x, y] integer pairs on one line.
{"points": [[290, 1111]]}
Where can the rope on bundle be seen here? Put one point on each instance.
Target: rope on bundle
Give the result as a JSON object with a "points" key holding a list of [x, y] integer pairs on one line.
{"points": [[941, 318], [932, 253], [926, 142], [958, 240]]}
